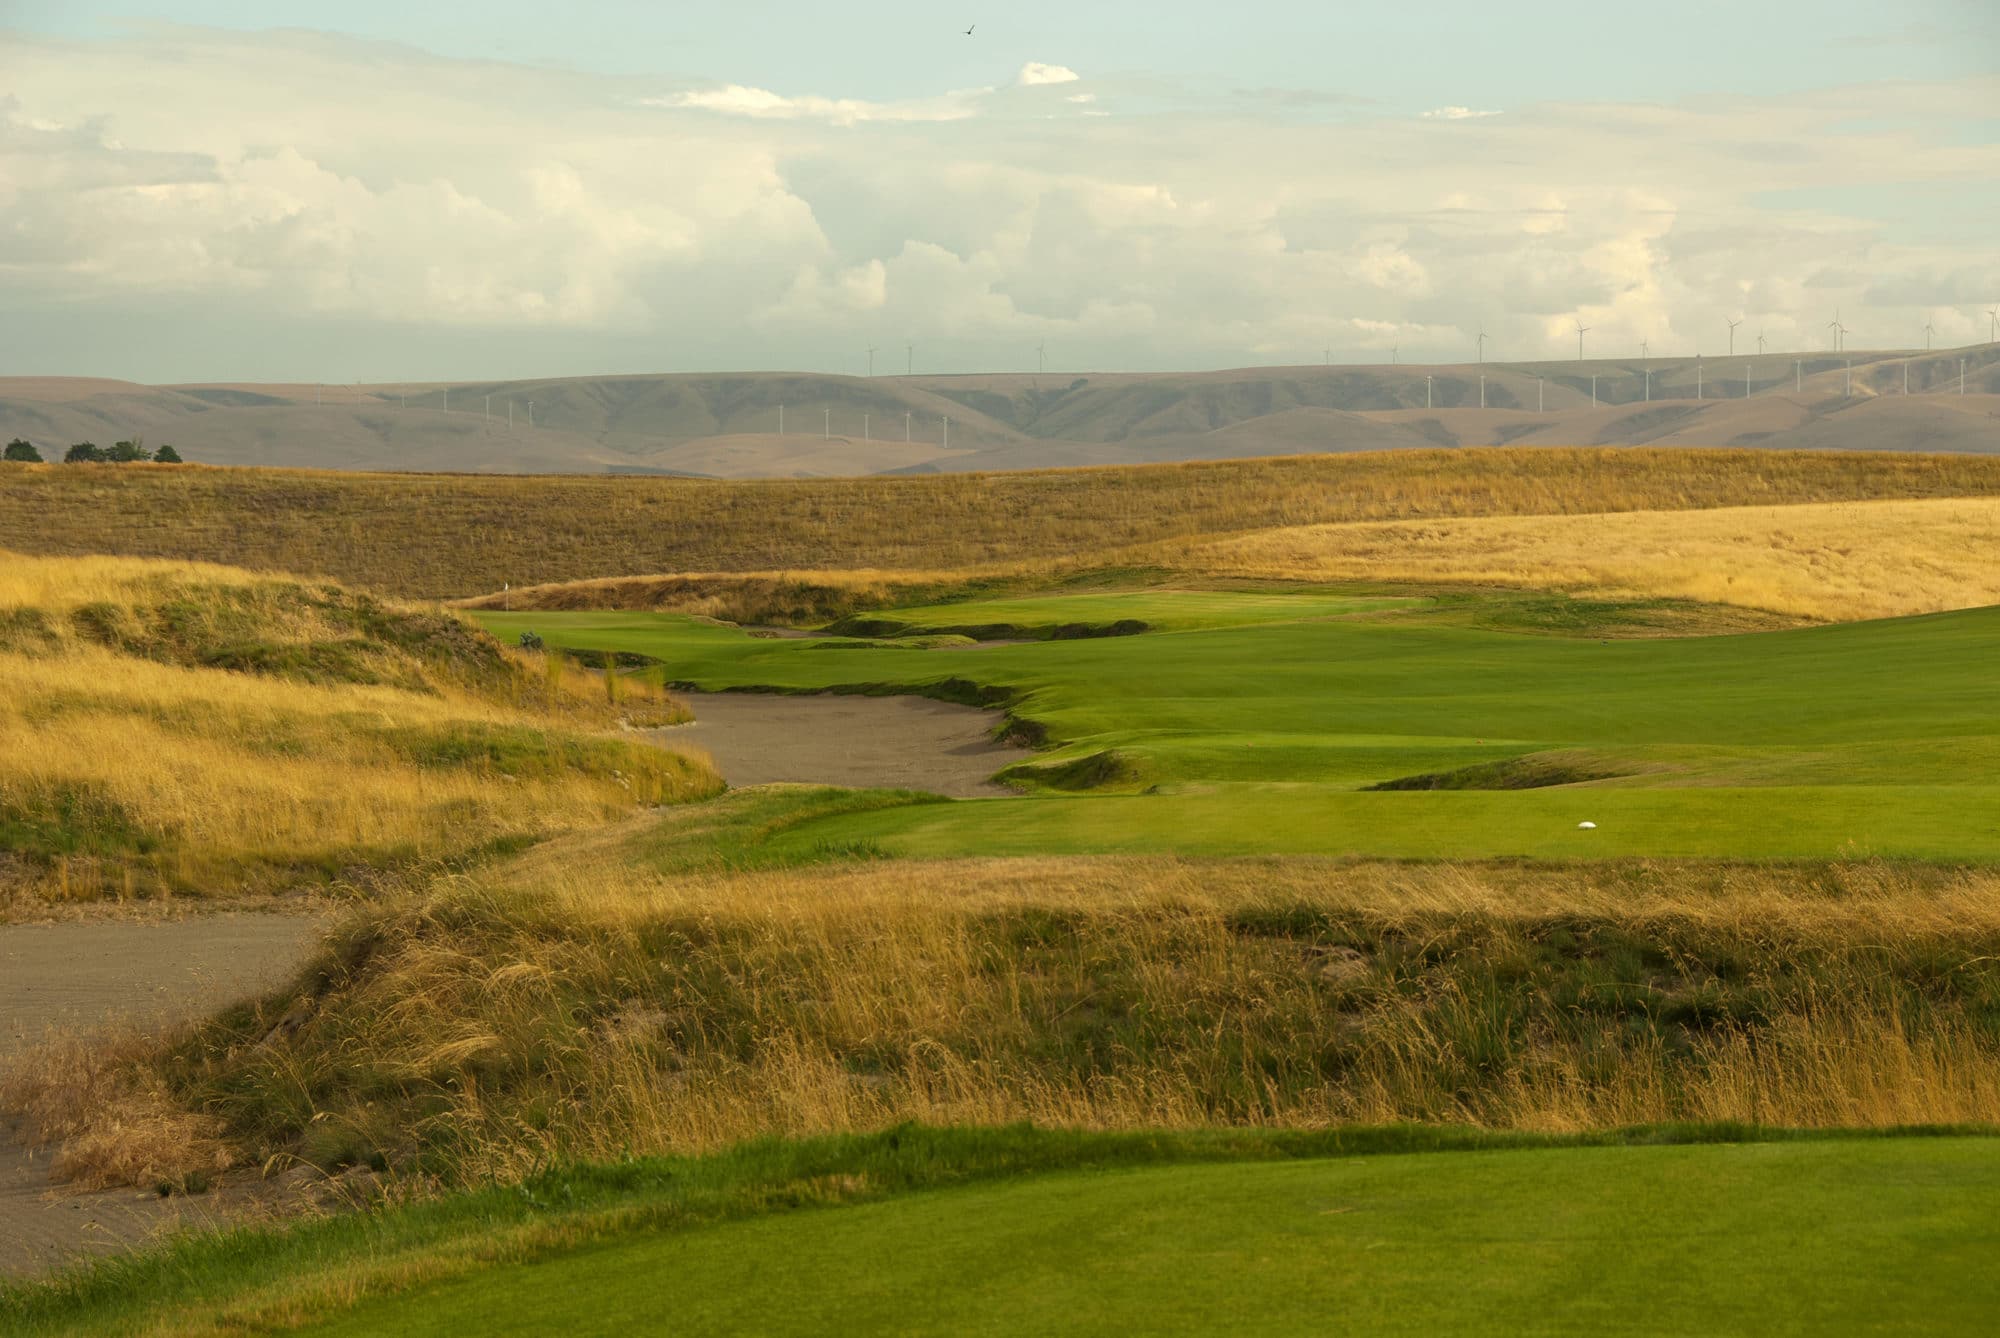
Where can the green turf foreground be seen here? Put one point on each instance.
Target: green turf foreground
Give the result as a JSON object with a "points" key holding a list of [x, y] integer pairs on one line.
{"points": [[1872, 1236]]}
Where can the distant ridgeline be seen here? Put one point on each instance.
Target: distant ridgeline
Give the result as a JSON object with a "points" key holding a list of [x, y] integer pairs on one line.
{"points": [[88, 452]]}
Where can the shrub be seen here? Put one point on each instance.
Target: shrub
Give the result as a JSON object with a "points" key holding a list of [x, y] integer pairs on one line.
{"points": [[85, 452], [167, 455], [531, 641], [23, 451], [126, 452]]}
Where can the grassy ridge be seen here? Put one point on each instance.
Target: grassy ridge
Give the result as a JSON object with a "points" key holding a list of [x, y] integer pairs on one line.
{"points": [[446, 536], [174, 728], [604, 997]]}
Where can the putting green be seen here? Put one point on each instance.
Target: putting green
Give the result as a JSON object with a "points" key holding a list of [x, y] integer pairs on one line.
{"points": [[1246, 737], [1880, 1236]]}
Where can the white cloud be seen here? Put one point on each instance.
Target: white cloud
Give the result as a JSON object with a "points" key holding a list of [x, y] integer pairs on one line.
{"points": [[1035, 74], [304, 181], [740, 100], [1456, 114]]}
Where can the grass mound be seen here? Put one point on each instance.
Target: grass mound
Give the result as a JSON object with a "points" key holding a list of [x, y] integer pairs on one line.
{"points": [[1534, 772], [171, 728], [1091, 771]]}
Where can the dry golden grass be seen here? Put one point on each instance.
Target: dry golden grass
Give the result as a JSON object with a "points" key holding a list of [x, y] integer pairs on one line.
{"points": [[1829, 561], [576, 1007], [455, 536], [803, 598], [344, 736], [113, 1120], [1833, 561]]}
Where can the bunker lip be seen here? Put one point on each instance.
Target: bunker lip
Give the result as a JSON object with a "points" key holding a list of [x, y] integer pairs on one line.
{"points": [[862, 742], [1532, 771], [82, 973], [884, 625]]}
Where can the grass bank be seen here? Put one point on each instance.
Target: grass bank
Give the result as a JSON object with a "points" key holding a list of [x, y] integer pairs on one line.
{"points": [[183, 729], [450, 536], [604, 998]]}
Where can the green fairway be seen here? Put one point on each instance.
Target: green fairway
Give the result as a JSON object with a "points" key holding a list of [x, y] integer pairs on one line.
{"points": [[1881, 1236], [1243, 735]]}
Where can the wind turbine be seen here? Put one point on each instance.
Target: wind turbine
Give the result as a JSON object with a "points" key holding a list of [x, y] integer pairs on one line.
{"points": [[1993, 325], [1041, 358], [1581, 330], [1732, 334], [1838, 330], [1482, 344], [871, 360], [1760, 343], [1927, 336]]}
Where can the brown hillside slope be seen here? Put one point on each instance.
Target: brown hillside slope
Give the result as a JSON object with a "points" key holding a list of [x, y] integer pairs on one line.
{"points": [[449, 536]]}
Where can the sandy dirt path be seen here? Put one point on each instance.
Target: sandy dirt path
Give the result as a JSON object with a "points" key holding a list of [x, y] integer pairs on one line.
{"points": [[81, 974], [892, 742]]}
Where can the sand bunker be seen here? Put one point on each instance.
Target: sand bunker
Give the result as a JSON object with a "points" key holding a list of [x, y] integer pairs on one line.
{"points": [[908, 743], [80, 975]]}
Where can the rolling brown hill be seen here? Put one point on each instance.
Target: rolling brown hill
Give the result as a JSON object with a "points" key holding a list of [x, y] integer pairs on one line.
{"points": [[430, 535], [790, 425]]}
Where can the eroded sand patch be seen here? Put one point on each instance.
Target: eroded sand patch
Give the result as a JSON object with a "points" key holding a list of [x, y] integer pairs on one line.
{"points": [[82, 974], [909, 743]]}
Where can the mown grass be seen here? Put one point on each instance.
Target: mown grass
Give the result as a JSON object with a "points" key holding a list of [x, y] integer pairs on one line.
{"points": [[1878, 1237], [1406, 729], [281, 1279], [335, 1268], [449, 536], [174, 729]]}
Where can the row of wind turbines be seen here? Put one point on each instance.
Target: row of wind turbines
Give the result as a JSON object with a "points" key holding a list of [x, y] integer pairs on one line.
{"points": [[1839, 333]]}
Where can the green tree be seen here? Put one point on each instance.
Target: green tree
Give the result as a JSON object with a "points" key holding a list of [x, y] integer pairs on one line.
{"points": [[167, 455], [85, 452], [125, 452], [23, 451]]}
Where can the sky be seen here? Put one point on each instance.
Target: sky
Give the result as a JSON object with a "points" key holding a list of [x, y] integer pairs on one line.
{"points": [[236, 191]]}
